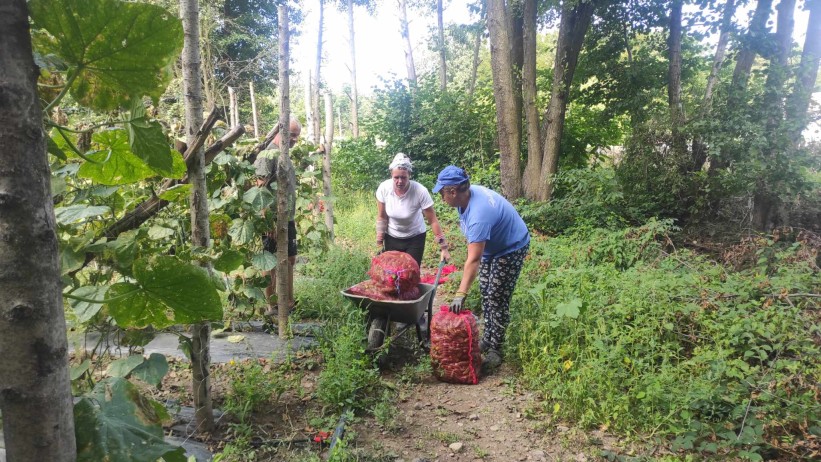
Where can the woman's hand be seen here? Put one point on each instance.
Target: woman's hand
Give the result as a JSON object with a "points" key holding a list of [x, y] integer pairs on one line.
{"points": [[445, 255]]}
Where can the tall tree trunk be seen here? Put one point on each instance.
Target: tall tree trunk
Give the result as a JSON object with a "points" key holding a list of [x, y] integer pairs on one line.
{"points": [[531, 181], [404, 30], [515, 15], [501, 59], [354, 93], [443, 65], [284, 170], [255, 117], [765, 200], [674, 80], [806, 74], [718, 57], [746, 55], [575, 21], [326, 165], [200, 229], [317, 80], [699, 149], [35, 391], [474, 67]]}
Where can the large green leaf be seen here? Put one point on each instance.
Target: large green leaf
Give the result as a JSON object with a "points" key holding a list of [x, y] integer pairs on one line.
{"points": [[259, 198], [118, 50], [114, 163], [114, 422], [150, 370], [167, 291], [75, 213], [229, 261], [241, 231], [123, 367], [87, 310], [149, 143], [265, 261]]}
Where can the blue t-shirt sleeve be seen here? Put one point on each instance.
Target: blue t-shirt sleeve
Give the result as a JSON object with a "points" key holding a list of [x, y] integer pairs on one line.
{"points": [[478, 232]]}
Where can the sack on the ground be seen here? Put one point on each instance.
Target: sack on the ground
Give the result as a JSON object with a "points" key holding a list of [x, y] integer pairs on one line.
{"points": [[395, 270], [454, 346]]}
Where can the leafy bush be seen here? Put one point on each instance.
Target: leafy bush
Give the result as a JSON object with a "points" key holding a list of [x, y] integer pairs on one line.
{"points": [[619, 330], [582, 197]]}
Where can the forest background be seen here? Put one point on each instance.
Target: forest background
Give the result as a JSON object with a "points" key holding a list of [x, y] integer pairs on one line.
{"points": [[672, 291]]}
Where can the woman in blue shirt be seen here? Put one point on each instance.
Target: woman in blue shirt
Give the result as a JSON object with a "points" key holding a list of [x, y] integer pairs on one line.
{"points": [[498, 241]]}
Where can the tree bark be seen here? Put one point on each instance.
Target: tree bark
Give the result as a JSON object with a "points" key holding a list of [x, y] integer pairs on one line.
{"points": [[574, 24], [504, 95], [718, 57], [674, 80], [283, 272], [354, 94], [443, 64], [200, 229], [317, 80], [404, 30], [326, 165], [746, 55], [765, 199], [531, 181], [254, 108], [806, 74], [474, 67], [232, 106], [35, 391]]}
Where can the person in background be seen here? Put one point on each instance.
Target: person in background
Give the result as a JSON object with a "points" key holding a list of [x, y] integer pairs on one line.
{"points": [[498, 241], [264, 166], [401, 205]]}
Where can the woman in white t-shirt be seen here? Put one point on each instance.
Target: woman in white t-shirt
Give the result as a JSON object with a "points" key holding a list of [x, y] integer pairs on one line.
{"points": [[402, 206]]}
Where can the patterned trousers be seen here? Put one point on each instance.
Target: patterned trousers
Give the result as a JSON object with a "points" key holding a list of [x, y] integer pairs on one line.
{"points": [[497, 279]]}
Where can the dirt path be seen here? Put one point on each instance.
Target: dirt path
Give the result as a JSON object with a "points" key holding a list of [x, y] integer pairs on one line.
{"points": [[494, 420]]}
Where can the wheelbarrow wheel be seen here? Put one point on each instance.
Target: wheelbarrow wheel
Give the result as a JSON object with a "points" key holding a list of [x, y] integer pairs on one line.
{"points": [[376, 333]]}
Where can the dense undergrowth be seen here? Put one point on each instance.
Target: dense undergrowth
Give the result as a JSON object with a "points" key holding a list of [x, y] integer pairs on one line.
{"points": [[620, 330]]}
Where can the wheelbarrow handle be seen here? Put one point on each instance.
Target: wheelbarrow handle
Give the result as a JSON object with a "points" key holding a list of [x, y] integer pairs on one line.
{"points": [[433, 294]]}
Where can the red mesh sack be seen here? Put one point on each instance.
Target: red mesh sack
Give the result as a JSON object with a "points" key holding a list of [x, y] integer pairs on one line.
{"points": [[375, 291], [395, 270], [370, 289], [454, 346]]}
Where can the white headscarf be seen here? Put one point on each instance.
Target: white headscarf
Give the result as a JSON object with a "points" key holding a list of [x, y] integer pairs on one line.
{"points": [[402, 161]]}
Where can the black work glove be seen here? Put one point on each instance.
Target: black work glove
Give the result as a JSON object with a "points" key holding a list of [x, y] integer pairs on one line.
{"points": [[457, 304]]}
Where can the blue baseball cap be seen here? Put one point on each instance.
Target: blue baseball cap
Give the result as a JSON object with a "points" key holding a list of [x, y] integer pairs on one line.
{"points": [[450, 176]]}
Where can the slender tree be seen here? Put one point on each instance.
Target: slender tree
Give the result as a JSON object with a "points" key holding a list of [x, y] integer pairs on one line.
{"points": [[354, 93], [504, 93], [404, 30], [806, 74], [326, 164], [674, 78], [283, 173], [531, 181], [443, 64], [765, 199], [200, 227], [35, 391], [317, 77], [721, 50], [575, 20]]}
